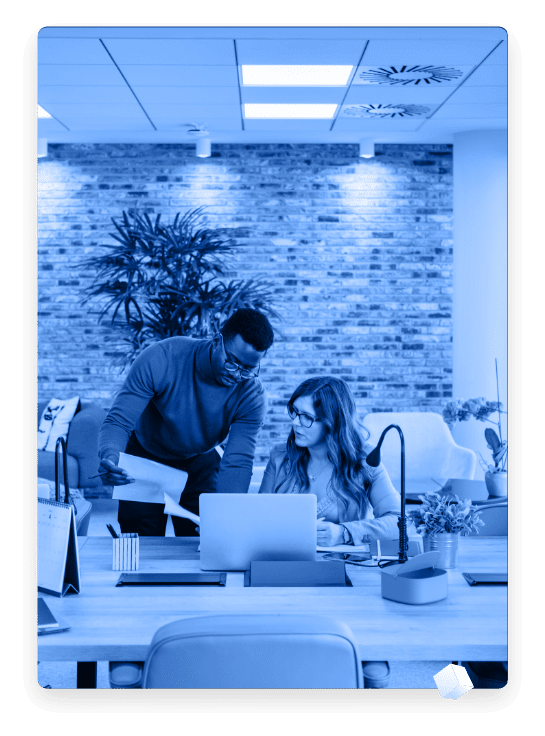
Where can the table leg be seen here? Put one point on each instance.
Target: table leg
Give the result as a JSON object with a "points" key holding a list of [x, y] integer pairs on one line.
{"points": [[86, 675]]}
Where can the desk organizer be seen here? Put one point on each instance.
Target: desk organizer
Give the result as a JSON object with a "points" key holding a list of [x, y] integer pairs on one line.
{"points": [[126, 552], [416, 582]]}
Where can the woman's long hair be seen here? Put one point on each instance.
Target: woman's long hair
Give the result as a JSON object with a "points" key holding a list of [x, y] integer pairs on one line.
{"points": [[335, 406]]}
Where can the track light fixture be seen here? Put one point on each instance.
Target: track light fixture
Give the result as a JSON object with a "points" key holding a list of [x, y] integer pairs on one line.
{"points": [[203, 147], [42, 147]]}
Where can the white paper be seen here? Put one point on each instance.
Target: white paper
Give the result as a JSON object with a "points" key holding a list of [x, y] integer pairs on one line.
{"points": [[347, 548], [152, 480], [174, 509]]}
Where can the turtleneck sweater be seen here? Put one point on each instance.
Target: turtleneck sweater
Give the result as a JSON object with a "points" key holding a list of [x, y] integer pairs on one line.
{"points": [[177, 409]]}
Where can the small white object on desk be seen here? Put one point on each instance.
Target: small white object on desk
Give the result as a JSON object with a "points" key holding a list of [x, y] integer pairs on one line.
{"points": [[126, 552]]}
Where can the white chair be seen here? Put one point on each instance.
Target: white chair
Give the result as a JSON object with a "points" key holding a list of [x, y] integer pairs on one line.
{"points": [[495, 518], [431, 454], [253, 651], [257, 477]]}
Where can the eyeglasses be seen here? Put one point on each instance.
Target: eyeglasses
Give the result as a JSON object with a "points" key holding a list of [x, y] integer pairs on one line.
{"points": [[305, 420], [233, 367]]}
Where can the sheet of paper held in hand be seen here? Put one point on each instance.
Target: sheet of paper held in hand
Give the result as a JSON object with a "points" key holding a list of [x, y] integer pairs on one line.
{"points": [[152, 480]]}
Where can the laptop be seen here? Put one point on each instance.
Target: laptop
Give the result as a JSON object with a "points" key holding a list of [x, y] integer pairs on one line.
{"points": [[237, 528]]}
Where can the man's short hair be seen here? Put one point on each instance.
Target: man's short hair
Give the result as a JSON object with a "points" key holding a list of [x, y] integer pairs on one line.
{"points": [[253, 327]]}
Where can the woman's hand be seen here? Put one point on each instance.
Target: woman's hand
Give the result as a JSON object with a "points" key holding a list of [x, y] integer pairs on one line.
{"points": [[329, 534]]}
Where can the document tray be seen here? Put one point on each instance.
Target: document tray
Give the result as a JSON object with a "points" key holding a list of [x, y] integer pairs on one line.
{"points": [[171, 578], [296, 574], [485, 578]]}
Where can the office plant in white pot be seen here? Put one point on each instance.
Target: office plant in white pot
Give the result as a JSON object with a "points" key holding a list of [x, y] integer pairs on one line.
{"points": [[441, 522], [495, 472]]}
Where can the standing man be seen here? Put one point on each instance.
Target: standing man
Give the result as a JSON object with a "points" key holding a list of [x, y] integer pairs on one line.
{"points": [[181, 399]]}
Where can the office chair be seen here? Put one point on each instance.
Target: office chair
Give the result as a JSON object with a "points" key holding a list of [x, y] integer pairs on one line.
{"points": [[253, 651], [495, 520], [430, 450]]}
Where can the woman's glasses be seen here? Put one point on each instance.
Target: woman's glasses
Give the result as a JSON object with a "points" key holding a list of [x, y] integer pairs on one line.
{"points": [[305, 420]]}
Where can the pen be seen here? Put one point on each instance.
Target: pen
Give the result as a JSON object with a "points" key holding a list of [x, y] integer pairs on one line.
{"points": [[96, 476], [112, 531]]}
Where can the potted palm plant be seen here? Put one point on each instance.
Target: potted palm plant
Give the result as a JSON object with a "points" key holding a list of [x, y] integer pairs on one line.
{"points": [[162, 280], [442, 522], [481, 409]]}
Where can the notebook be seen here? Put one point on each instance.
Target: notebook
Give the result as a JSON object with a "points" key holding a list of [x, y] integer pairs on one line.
{"points": [[238, 528]]}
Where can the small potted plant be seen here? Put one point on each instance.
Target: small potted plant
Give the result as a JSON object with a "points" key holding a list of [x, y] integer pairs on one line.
{"points": [[461, 411], [441, 522]]}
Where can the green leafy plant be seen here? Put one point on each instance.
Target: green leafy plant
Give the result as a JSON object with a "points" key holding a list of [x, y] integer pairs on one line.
{"points": [[437, 515], [481, 409], [163, 280]]}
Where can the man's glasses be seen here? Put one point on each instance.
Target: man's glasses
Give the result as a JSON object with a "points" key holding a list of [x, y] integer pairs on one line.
{"points": [[305, 420], [233, 367]]}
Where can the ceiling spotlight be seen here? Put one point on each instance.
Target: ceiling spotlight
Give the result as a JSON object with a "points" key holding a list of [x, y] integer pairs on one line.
{"points": [[203, 147], [42, 147], [367, 148]]}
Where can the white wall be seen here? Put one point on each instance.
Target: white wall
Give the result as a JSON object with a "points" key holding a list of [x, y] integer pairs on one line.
{"points": [[480, 277]]}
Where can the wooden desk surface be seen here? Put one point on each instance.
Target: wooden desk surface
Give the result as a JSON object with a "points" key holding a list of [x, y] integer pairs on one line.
{"points": [[117, 624]]}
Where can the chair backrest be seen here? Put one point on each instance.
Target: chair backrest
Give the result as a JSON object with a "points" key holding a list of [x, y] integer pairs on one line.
{"points": [[253, 651], [430, 450], [495, 521]]}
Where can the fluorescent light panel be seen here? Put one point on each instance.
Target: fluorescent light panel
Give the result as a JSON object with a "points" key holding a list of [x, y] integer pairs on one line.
{"points": [[301, 111], [296, 75], [43, 113]]}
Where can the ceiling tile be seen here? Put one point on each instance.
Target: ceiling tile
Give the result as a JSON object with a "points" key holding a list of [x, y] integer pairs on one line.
{"points": [[131, 111], [292, 94], [86, 74], [72, 51], [479, 95], [194, 112], [463, 125], [437, 52], [114, 124], [310, 125], [471, 111], [188, 95], [172, 51], [211, 124], [364, 125], [300, 51], [72, 94], [415, 95], [49, 125], [494, 75], [177, 75], [498, 56]]}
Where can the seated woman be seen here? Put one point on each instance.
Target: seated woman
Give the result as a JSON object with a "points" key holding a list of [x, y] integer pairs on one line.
{"points": [[325, 455]]}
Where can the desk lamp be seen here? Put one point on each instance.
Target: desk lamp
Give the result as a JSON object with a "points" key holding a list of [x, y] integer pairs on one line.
{"points": [[418, 581]]}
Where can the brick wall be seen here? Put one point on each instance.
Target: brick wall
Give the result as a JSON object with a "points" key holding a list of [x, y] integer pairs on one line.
{"points": [[359, 250]]}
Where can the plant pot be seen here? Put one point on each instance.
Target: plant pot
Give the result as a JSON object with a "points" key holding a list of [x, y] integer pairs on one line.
{"points": [[496, 483], [447, 546]]}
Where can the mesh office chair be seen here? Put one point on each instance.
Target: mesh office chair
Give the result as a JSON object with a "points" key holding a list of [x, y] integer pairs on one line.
{"points": [[253, 651]]}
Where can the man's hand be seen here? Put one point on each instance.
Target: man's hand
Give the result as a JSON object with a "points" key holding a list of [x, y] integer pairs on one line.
{"points": [[329, 534], [112, 474]]}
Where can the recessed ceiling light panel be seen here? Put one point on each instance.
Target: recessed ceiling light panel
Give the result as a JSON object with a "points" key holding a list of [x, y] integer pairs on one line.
{"points": [[43, 113], [296, 75], [411, 75], [385, 111], [301, 111]]}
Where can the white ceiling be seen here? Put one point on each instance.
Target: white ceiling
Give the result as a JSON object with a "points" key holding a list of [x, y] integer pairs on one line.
{"points": [[148, 84]]}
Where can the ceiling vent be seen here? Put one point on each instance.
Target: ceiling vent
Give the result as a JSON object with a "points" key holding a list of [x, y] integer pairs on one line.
{"points": [[408, 75], [385, 111]]}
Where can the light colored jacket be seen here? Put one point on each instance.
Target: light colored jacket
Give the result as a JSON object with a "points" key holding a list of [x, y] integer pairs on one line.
{"points": [[379, 518]]}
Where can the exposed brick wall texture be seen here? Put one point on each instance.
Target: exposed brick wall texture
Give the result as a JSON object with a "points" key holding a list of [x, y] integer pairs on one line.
{"points": [[359, 250]]}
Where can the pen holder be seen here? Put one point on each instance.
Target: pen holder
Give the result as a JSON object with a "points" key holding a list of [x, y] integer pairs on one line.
{"points": [[126, 551]]}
